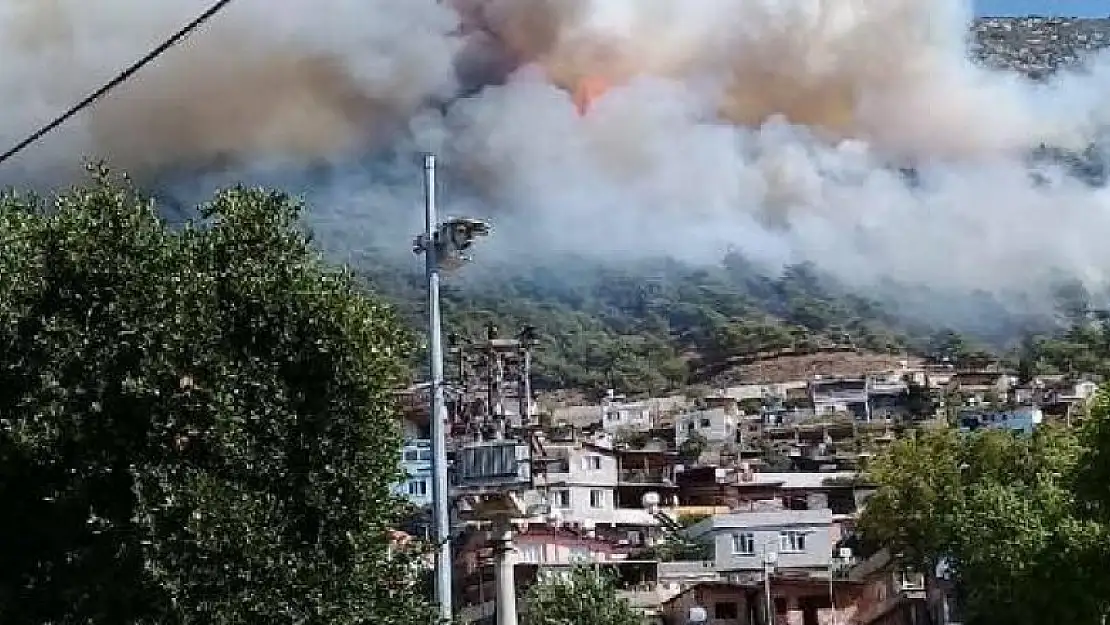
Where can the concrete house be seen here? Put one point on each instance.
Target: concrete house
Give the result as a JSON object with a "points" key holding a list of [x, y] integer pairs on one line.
{"points": [[801, 540], [416, 460], [580, 488], [619, 414], [1024, 419], [715, 418], [840, 395]]}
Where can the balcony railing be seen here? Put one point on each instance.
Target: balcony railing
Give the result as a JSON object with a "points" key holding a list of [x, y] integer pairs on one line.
{"points": [[643, 476]]}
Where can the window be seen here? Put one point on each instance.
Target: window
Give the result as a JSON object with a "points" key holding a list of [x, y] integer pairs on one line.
{"points": [[410, 455], [530, 553], [726, 610], [560, 499], [426, 454], [690, 426], [591, 463], [418, 488], [792, 542], [780, 605], [579, 554], [705, 423], [597, 499], [743, 544]]}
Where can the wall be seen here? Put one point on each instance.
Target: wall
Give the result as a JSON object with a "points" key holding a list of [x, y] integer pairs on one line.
{"points": [[633, 416], [716, 425], [579, 479], [767, 528], [416, 461], [708, 596]]}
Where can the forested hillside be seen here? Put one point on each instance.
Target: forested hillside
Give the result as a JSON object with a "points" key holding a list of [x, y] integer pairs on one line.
{"points": [[659, 325]]}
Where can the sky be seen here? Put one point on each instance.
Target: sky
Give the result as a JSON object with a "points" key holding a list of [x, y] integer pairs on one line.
{"points": [[1081, 8]]}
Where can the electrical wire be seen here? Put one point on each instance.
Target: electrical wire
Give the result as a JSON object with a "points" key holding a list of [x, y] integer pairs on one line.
{"points": [[120, 78]]}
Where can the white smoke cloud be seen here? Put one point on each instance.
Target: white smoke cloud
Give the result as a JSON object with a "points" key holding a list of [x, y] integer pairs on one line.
{"points": [[771, 126]]}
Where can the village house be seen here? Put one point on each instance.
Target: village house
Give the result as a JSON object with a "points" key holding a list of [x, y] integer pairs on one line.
{"points": [[416, 462], [840, 395], [794, 601], [745, 489], [715, 419], [891, 595], [801, 540], [979, 387], [1024, 419]]}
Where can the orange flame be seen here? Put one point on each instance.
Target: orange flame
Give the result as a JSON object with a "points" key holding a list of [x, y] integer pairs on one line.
{"points": [[589, 90]]}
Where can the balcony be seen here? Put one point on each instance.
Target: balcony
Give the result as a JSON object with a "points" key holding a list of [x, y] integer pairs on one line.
{"points": [[908, 581], [644, 476]]}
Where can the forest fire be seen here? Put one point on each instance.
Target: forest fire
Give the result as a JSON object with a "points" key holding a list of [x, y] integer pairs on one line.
{"points": [[588, 90]]}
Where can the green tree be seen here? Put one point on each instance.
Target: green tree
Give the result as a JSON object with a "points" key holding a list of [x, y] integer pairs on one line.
{"points": [[583, 596], [1003, 510], [692, 448], [196, 423]]}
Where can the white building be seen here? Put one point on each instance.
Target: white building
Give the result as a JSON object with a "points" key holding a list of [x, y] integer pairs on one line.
{"points": [[416, 460], [801, 540], [580, 488], [618, 414], [1024, 419], [840, 395], [716, 420]]}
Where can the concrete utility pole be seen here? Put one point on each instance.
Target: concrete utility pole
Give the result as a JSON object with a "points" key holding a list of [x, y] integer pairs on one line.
{"points": [[437, 412], [442, 244], [506, 578], [770, 557]]}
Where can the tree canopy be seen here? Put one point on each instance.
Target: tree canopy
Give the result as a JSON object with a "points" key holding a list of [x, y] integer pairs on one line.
{"points": [[584, 595], [1020, 520], [648, 326], [196, 423]]}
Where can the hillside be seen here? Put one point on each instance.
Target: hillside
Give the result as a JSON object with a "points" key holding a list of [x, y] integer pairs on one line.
{"points": [[659, 325], [662, 325]]}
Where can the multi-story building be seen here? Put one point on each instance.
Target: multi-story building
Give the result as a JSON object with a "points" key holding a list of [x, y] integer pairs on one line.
{"points": [[743, 489], [619, 414], [801, 541], [715, 419], [580, 484], [1024, 419], [416, 461], [979, 387], [840, 395]]}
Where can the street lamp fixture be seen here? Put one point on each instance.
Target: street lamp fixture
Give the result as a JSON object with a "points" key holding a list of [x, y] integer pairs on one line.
{"points": [[452, 238]]}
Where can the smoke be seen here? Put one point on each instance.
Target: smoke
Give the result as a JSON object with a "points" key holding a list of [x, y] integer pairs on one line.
{"points": [[780, 128], [278, 82]]}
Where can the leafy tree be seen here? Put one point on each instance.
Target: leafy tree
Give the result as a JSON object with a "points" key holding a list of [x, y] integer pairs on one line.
{"points": [[1004, 511], [584, 595], [196, 424], [692, 448]]}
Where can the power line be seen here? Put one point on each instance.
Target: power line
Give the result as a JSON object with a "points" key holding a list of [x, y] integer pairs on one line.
{"points": [[117, 81]]}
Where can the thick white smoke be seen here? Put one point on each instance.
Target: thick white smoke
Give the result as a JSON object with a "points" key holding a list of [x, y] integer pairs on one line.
{"points": [[773, 126]]}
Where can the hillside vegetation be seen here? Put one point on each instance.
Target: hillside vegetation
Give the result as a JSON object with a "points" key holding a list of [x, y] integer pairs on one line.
{"points": [[660, 325]]}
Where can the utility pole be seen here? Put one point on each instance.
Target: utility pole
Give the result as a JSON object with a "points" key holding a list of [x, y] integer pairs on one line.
{"points": [[770, 557], [442, 245], [437, 411], [506, 578]]}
